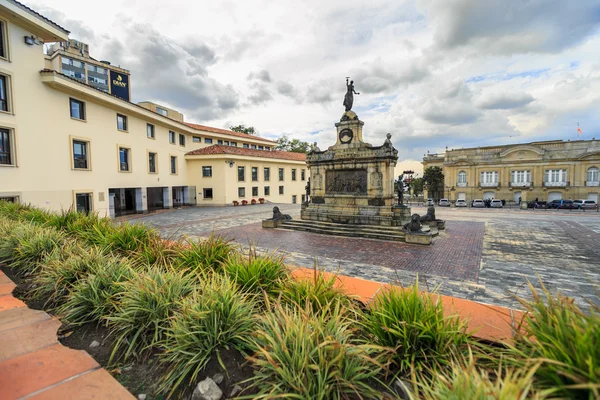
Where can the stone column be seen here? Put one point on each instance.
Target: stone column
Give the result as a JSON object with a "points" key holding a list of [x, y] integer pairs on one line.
{"points": [[524, 198]]}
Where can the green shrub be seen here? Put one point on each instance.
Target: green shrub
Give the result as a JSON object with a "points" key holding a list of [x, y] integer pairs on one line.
{"points": [[313, 293], [63, 269], [257, 273], [91, 298], [156, 252], [313, 355], [414, 324], [143, 308], [29, 246], [7, 226], [202, 254], [556, 331], [217, 316], [465, 380]]}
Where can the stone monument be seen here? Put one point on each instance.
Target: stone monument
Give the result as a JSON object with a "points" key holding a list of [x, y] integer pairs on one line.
{"points": [[352, 182]]}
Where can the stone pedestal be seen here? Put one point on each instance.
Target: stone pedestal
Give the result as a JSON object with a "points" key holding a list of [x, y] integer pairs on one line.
{"points": [[418, 238], [352, 182], [271, 223], [401, 215]]}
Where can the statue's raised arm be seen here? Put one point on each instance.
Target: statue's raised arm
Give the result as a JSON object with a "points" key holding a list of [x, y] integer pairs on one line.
{"points": [[349, 97]]}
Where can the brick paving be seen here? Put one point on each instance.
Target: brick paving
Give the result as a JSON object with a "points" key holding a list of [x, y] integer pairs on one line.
{"points": [[486, 255]]}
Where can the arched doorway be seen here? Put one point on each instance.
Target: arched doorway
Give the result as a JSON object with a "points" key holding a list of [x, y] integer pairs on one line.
{"points": [[554, 196], [488, 195]]}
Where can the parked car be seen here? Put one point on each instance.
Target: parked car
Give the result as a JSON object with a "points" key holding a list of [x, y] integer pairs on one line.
{"points": [[478, 203], [460, 203], [585, 204], [429, 202], [444, 203], [538, 204], [562, 204], [496, 204]]}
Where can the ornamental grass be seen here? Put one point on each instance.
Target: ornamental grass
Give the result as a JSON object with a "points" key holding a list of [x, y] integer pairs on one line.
{"points": [[203, 254], [257, 273], [217, 315]]}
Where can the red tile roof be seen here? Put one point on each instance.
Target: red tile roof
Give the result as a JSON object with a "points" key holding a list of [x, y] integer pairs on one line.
{"points": [[226, 132], [240, 151]]}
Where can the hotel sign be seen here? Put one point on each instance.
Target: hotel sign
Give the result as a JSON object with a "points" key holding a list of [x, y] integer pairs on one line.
{"points": [[119, 85]]}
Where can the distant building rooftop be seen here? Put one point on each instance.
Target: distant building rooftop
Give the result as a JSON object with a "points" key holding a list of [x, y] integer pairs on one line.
{"points": [[238, 151]]}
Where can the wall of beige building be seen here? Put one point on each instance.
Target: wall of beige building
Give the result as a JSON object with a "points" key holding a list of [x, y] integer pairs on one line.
{"points": [[225, 184]]}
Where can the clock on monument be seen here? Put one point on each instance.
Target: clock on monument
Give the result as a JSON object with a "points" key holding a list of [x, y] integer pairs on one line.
{"points": [[346, 136]]}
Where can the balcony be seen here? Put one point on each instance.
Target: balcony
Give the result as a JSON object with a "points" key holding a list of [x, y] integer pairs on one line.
{"points": [[489, 184], [461, 184], [592, 183], [520, 184], [557, 184]]}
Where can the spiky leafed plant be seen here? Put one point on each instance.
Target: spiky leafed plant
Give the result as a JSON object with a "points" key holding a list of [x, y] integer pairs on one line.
{"points": [[202, 254], [256, 273]]}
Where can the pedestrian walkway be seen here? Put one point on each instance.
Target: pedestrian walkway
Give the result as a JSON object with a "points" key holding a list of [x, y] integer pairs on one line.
{"points": [[34, 365]]}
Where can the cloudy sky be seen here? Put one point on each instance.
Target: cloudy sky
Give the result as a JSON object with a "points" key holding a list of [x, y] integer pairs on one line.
{"points": [[434, 73]]}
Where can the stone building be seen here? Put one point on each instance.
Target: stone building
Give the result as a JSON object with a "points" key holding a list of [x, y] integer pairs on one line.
{"points": [[71, 138], [545, 170]]}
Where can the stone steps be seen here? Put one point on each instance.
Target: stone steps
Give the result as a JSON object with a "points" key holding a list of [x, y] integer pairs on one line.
{"points": [[364, 231]]}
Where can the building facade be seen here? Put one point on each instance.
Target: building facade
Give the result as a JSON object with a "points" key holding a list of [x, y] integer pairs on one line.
{"points": [[546, 170], [65, 143]]}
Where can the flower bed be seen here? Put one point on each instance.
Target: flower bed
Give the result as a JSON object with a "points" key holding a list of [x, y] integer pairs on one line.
{"points": [[191, 307]]}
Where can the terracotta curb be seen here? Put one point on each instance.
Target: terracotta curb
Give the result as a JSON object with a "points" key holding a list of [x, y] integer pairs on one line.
{"points": [[33, 364], [485, 322]]}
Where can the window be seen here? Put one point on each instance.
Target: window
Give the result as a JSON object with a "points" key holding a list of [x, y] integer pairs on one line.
{"points": [[462, 177], [267, 173], [124, 159], [267, 190], [207, 193], [489, 177], [196, 139], [152, 163], [280, 174], [245, 146], [267, 148], [5, 147], [555, 176], [241, 174], [255, 191], [234, 144], [520, 176], [303, 174], [592, 174], [173, 165], [219, 142], [162, 111], [226, 143], [293, 174], [206, 172], [253, 146], [3, 52], [254, 174], [280, 189], [77, 109], [80, 155], [150, 131], [294, 199], [261, 147], [241, 192], [181, 140], [94, 79], [171, 137], [121, 122], [207, 140], [83, 202], [3, 93]]}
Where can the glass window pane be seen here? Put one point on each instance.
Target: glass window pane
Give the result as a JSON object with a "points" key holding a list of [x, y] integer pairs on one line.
{"points": [[5, 149]]}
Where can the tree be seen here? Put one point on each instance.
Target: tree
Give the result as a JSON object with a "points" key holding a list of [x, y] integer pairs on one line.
{"points": [[293, 145], [416, 184], [244, 129], [433, 180]]}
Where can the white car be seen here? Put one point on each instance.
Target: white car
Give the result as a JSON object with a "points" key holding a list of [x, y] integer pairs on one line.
{"points": [[429, 202], [496, 204], [478, 203], [444, 203], [581, 204], [460, 203]]}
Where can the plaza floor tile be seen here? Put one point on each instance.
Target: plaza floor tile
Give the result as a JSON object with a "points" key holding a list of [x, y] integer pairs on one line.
{"points": [[96, 385]]}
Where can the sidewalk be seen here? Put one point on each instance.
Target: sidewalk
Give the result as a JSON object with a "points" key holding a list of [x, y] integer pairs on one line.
{"points": [[34, 365]]}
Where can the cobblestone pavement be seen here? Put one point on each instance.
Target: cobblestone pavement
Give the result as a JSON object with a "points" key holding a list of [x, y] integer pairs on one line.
{"points": [[484, 255]]}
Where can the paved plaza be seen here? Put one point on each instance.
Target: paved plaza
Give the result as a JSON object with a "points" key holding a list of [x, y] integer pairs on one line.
{"points": [[484, 255]]}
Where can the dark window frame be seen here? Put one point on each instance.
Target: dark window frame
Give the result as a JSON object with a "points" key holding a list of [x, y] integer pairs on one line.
{"points": [[196, 139], [5, 93], [241, 192], [303, 174], [81, 104], [152, 162], [127, 162], [267, 174], [207, 171], [281, 190], [254, 191], [182, 139], [294, 199], [172, 137], [6, 154], [3, 40], [293, 174], [205, 193], [124, 119], [281, 174], [89, 203], [254, 173], [81, 163], [243, 174], [208, 140], [173, 166], [150, 131], [267, 190]]}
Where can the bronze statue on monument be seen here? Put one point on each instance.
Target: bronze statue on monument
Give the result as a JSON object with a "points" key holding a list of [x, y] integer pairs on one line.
{"points": [[349, 97]]}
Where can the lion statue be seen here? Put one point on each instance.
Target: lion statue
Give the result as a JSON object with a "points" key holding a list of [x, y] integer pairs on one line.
{"points": [[414, 225], [430, 216], [278, 215]]}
